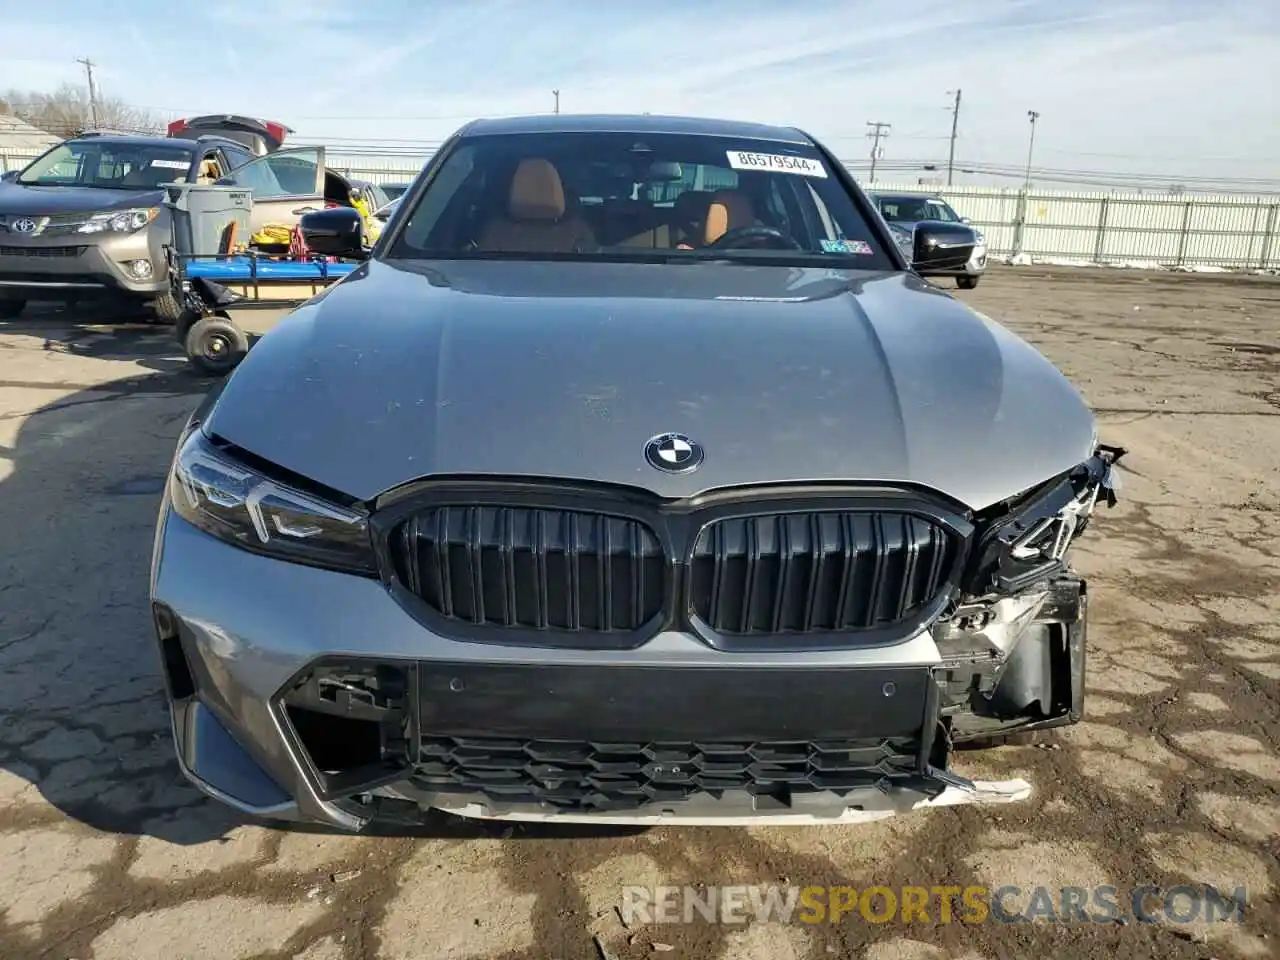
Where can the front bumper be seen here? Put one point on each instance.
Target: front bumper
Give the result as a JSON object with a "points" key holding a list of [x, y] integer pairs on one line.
{"points": [[271, 666], [72, 266], [974, 267]]}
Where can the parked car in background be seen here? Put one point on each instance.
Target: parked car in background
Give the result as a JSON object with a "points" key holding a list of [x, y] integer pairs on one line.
{"points": [[260, 136], [904, 211], [634, 476], [86, 219], [394, 191], [384, 213]]}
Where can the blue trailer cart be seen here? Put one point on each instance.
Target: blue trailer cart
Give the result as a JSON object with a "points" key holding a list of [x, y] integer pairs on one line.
{"points": [[231, 299]]}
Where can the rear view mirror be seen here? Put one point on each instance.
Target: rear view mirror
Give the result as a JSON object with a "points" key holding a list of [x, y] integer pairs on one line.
{"points": [[336, 232], [942, 246]]}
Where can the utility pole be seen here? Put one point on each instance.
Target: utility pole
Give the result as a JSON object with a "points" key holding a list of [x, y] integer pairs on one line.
{"points": [[1033, 116], [955, 122], [556, 94], [93, 92], [879, 131]]}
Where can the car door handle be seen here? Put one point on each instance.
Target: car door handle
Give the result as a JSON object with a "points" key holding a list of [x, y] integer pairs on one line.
{"points": [[301, 210]]}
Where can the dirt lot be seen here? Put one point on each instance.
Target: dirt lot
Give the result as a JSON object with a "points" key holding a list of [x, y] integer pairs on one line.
{"points": [[1174, 778]]}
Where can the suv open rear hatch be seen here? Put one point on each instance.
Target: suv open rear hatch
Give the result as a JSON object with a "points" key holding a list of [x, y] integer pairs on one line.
{"points": [[260, 136]]}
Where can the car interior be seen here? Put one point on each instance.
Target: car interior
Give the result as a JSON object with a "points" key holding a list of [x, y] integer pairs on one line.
{"points": [[536, 204]]}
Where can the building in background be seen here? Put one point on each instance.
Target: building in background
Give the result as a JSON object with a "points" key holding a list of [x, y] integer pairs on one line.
{"points": [[20, 142]]}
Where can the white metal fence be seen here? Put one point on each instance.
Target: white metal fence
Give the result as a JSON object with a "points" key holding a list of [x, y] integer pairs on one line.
{"points": [[1204, 231]]}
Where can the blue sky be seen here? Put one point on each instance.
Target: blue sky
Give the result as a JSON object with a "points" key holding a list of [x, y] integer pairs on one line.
{"points": [[1138, 85]]}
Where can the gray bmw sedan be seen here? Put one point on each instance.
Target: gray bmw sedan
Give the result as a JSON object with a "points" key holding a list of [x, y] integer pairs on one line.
{"points": [[635, 475]]}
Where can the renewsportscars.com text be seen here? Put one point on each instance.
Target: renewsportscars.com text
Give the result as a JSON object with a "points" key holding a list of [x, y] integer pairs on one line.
{"points": [[933, 904]]}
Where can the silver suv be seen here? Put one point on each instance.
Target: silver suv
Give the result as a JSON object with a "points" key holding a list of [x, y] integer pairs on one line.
{"points": [[87, 219]]}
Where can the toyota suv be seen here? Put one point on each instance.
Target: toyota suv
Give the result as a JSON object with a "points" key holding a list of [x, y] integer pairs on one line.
{"points": [[87, 219]]}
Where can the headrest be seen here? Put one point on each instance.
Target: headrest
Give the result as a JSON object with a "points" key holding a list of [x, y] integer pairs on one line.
{"points": [[729, 210], [537, 192]]}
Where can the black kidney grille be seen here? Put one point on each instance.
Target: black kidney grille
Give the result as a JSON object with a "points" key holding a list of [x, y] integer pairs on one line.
{"points": [[817, 572], [575, 774], [532, 568]]}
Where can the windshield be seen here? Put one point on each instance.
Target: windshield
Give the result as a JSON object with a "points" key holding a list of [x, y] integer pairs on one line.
{"points": [[914, 209], [638, 196], [111, 166]]}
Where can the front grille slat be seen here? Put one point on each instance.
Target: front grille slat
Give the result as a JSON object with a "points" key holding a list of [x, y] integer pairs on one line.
{"points": [[818, 572], [805, 572], [537, 569], [585, 775]]}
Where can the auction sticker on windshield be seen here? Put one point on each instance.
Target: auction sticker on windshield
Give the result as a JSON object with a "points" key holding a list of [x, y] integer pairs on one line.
{"points": [[775, 163]]}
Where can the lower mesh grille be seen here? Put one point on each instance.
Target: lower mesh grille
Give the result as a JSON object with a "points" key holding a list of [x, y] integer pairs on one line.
{"points": [[532, 568], [41, 252], [604, 775], [818, 572]]}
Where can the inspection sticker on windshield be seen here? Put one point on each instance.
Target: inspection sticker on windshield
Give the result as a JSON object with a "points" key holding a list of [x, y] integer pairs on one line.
{"points": [[171, 164], [775, 163], [860, 247]]}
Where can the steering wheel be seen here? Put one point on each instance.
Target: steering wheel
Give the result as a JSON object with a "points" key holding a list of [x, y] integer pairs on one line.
{"points": [[742, 236]]}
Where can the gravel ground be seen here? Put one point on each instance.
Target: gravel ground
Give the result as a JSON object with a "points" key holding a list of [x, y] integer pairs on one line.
{"points": [[1174, 777]]}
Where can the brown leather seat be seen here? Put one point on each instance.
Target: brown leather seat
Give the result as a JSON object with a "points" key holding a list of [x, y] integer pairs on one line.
{"points": [[729, 210], [536, 220], [689, 217]]}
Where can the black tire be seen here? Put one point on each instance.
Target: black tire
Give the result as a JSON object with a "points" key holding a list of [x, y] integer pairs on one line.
{"points": [[183, 326], [167, 308], [215, 346], [967, 283], [9, 309]]}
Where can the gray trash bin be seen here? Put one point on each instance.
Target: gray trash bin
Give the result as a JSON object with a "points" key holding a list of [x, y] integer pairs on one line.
{"points": [[201, 213]]}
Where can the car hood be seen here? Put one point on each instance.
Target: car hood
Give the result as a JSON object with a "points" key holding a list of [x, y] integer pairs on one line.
{"points": [[19, 200], [401, 372]]}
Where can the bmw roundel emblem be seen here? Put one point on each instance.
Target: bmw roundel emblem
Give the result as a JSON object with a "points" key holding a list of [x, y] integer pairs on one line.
{"points": [[673, 453]]}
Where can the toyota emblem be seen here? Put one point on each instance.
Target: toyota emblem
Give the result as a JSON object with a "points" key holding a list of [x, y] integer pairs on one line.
{"points": [[673, 453], [23, 225]]}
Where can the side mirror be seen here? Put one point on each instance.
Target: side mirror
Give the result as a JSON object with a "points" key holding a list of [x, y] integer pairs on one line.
{"points": [[942, 246], [964, 219], [9, 175], [336, 232]]}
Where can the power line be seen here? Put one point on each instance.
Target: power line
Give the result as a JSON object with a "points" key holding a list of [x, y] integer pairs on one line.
{"points": [[878, 132]]}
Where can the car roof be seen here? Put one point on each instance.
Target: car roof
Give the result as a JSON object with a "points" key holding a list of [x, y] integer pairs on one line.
{"points": [[189, 143], [633, 123]]}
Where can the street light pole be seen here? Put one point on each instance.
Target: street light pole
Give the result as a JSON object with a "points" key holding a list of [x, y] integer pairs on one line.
{"points": [[1033, 116], [556, 94]]}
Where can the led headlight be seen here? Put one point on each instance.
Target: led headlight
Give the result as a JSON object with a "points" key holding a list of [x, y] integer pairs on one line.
{"points": [[235, 503], [119, 221]]}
